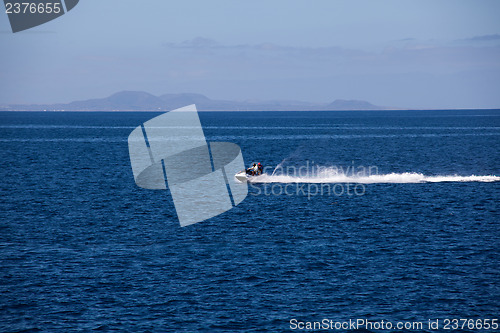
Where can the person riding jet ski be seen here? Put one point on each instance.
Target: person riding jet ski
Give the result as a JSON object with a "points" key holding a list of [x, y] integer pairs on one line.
{"points": [[259, 168], [255, 169], [252, 170]]}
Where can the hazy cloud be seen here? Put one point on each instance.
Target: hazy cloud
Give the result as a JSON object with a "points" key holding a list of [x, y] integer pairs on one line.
{"points": [[404, 73], [195, 43], [204, 44], [483, 38], [432, 56]]}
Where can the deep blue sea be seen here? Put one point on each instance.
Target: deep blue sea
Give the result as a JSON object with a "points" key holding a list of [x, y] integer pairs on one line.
{"points": [[83, 248]]}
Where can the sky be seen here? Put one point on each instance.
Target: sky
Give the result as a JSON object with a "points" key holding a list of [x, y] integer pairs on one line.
{"points": [[395, 53]]}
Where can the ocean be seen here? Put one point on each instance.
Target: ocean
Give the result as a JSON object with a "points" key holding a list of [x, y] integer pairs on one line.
{"points": [[361, 216]]}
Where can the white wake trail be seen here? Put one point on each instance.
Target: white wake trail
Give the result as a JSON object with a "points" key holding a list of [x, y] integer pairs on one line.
{"points": [[391, 178]]}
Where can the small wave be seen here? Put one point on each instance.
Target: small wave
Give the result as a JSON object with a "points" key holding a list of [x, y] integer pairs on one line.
{"points": [[253, 128], [34, 126], [340, 136], [391, 178], [99, 139]]}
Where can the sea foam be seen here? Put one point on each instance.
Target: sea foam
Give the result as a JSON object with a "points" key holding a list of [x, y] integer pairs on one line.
{"points": [[393, 178]]}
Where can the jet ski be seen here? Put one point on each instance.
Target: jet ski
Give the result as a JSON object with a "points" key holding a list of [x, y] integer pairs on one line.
{"points": [[242, 176], [246, 175]]}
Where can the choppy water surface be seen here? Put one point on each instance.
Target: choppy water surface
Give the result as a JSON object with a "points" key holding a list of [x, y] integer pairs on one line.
{"points": [[83, 248]]}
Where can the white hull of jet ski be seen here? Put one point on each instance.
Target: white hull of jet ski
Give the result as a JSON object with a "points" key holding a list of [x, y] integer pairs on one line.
{"points": [[242, 176]]}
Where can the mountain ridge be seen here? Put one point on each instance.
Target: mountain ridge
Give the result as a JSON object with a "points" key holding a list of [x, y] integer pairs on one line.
{"points": [[143, 101]]}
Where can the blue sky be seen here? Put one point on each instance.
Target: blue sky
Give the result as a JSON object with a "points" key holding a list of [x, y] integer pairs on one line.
{"points": [[415, 54]]}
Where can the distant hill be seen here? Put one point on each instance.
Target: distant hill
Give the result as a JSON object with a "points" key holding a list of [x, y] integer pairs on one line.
{"points": [[342, 104], [124, 100], [143, 101]]}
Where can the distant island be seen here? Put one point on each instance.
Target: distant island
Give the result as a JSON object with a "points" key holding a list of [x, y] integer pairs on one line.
{"points": [[143, 101]]}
